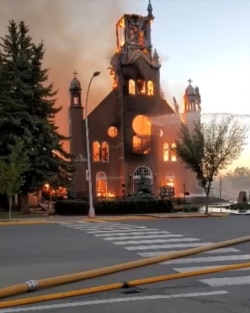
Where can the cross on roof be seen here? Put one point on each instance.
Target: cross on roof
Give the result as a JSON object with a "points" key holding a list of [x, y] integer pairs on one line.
{"points": [[75, 73], [190, 81]]}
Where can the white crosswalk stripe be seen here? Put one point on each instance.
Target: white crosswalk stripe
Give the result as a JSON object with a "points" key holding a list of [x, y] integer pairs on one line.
{"points": [[112, 231], [227, 281], [145, 232], [199, 268], [135, 242], [219, 258], [222, 250], [143, 237], [150, 242]]}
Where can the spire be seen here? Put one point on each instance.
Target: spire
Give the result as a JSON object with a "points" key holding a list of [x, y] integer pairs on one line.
{"points": [[192, 98], [75, 73], [75, 91], [150, 9], [156, 58], [75, 83]]}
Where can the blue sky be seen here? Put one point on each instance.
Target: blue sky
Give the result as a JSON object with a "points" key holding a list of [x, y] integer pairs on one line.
{"points": [[208, 41]]}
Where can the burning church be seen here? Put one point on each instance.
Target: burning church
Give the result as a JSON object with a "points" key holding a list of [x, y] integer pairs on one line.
{"points": [[132, 131]]}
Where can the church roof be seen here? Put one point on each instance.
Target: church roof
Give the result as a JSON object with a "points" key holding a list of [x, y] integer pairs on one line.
{"points": [[139, 54], [75, 84]]}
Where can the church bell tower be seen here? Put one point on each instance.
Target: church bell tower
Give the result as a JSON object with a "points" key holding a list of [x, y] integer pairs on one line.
{"points": [[76, 132], [135, 69]]}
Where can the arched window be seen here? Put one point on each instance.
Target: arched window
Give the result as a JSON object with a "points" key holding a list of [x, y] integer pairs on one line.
{"points": [[150, 88], [101, 184], [173, 156], [165, 152], [131, 87], [141, 86], [96, 151], [105, 151], [143, 178], [142, 139]]}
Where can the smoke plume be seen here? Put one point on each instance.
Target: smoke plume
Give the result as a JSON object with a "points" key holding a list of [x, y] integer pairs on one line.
{"points": [[78, 35]]}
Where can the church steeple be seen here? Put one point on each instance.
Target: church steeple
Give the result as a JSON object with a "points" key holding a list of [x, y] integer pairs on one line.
{"points": [[150, 10], [156, 58], [192, 98], [75, 91], [133, 34]]}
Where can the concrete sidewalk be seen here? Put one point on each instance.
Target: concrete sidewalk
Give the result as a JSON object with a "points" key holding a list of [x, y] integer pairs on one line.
{"points": [[72, 219]]}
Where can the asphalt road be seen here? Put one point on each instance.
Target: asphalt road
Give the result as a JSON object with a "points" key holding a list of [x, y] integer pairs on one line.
{"points": [[47, 250]]}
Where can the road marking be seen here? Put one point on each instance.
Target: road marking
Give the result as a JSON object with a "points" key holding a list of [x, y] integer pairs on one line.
{"points": [[109, 226], [134, 242], [143, 237], [116, 230], [98, 228], [107, 229], [227, 281], [222, 250], [131, 232], [167, 246], [113, 301], [219, 258], [198, 268]]}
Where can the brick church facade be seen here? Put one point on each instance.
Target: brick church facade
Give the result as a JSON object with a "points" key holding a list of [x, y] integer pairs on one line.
{"points": [[132, 132]]}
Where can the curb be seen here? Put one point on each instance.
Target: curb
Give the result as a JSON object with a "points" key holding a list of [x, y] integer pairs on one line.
{"points": [[112, 219], [149, 217], [190, 216], [20, 222], [119, 218]]}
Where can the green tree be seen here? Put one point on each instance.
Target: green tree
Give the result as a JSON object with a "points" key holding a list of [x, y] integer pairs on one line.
{"points": [[12, 168], [143, 184], [210, 147], [28, 109]]}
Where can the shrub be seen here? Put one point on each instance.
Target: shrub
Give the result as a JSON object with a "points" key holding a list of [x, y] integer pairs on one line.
{"points": [[190, 209], [119, 207], [240, 206]]}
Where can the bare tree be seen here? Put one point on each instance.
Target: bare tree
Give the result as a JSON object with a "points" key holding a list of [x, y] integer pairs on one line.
{"points": [[210, 147], [236, 180]]}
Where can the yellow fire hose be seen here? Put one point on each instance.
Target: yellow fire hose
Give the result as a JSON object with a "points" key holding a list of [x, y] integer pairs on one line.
{"points": [[114, 286], [33, 285]]}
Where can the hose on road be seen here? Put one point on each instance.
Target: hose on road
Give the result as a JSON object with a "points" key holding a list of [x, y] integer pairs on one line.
{"points": [[132, 283], [33, 285]]}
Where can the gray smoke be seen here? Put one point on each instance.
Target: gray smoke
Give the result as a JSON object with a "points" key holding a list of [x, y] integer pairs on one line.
{"points": [[78, 35]]}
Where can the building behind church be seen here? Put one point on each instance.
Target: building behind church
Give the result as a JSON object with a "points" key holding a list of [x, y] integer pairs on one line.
{"points": [[132, 132]]}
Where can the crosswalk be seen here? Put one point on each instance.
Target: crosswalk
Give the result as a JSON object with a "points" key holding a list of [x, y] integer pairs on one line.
{"points": [[149, 242]]}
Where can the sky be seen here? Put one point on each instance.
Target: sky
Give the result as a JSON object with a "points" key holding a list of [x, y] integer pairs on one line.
{"points": [[205, 40]]}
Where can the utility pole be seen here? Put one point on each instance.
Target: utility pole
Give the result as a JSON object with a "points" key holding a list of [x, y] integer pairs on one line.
{"points": [[220, 186], [184, 194]]}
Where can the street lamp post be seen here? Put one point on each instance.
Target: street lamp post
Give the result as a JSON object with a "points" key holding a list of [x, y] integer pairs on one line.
{"points": [[89, 174]]}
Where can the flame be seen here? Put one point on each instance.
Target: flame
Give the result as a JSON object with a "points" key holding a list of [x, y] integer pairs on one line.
{"points": [[120, 34], [106, 195], [170, 183], [111, 195], [113, 77]]}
